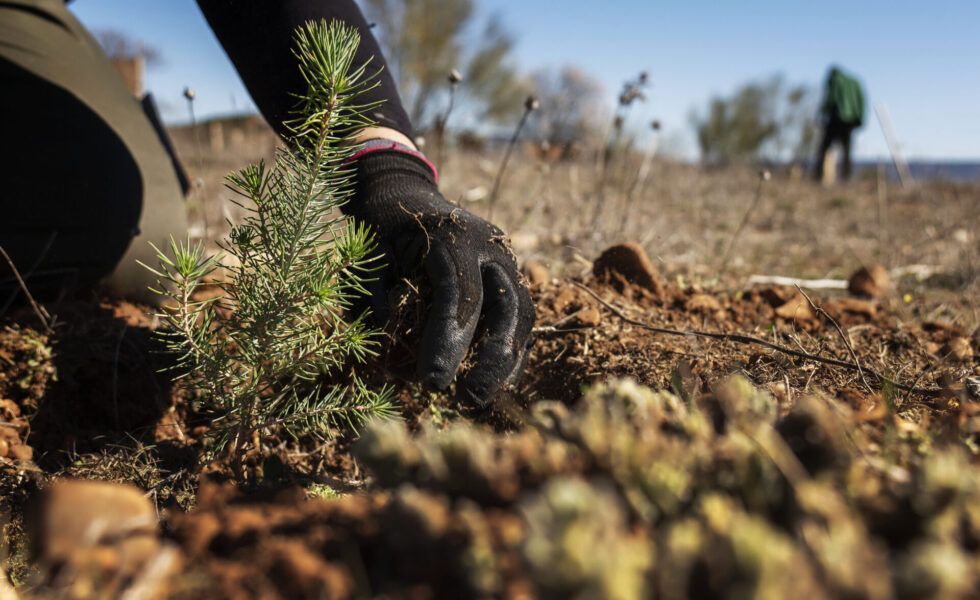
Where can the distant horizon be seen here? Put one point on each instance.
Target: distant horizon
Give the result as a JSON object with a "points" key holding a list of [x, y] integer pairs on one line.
{"points": [[910, 56], [858, 161]]}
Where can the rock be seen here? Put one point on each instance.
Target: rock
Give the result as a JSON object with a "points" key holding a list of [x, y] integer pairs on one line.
{"points": [[857, 307], [870, 282], [703, 303], [9, 410], [776, 296], [589, 316], [104, 531], [11, 446], [537, 274], [796, 308], [958, 348], [21, 452], [567, 297], [627, 264]]}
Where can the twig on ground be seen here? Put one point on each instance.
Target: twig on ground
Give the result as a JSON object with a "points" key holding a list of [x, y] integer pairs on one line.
{"points": [[748, 339], [847, 343], [42, 314]]}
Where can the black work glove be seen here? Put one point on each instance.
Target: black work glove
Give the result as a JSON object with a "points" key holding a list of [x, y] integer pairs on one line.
{"points": [[471, 269]]}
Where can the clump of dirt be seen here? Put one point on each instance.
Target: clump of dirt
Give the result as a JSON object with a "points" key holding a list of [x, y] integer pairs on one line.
{"points": [[13, 432], [95, 539], [537, 273], [627, 265], [872, 281]]}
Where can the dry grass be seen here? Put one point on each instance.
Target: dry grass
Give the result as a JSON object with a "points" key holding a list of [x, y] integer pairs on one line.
{"points": [[685, 217]]}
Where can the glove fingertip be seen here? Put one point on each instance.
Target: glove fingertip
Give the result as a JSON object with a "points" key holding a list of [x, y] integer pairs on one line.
{"points": [[473, 391], [436, 379]]}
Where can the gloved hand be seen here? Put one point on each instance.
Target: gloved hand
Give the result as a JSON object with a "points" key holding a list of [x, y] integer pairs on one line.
{"points": [[472, 272]]}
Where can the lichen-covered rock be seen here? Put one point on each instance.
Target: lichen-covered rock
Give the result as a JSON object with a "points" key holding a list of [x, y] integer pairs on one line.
{"points": [[635, 493], [579, 543]]}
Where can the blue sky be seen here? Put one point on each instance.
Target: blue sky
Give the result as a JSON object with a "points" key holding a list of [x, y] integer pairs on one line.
{"points": [[922, 59]]}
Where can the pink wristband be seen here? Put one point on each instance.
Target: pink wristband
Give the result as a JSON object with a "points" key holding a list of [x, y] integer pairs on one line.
{"points": [[386, 145]]}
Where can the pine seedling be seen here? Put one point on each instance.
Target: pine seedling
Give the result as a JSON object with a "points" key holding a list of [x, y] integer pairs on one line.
{"points": [[294, 269]]}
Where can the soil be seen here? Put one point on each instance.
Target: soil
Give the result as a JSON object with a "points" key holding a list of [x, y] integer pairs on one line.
{"points": [[709, 487], [99, 367]]}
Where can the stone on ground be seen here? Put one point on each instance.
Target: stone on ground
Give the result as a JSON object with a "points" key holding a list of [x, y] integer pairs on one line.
{"points": [[628, 264], [870, 282]]}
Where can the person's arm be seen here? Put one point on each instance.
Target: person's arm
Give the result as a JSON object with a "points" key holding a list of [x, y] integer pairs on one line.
{"points": [[258, 37], [479, 298]]}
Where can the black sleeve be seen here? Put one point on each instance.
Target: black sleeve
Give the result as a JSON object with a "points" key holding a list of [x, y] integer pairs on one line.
{"points": [[258, 37]]}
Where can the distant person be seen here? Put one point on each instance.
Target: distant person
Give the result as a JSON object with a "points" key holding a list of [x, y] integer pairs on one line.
{"points": [[88, 179], [841, 113]]}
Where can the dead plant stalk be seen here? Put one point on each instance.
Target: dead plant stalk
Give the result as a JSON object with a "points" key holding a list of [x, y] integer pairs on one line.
{"points": [[42, 314], [763, 178], [530, 105]]}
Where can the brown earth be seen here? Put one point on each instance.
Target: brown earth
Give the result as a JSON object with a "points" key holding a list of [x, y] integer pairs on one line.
{"points": [[477, 503], [409, 542]]}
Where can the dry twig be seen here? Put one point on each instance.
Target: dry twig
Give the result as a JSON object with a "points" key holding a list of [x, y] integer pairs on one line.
{"points": [[752, 340], [42, 314], [847, 343]]}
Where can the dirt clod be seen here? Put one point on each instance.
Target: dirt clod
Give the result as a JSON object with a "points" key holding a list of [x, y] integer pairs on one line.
{"points": [[872, 281], [959, 348], [628, 264], [854, 306], [797, 309], [92, 533], [589, 316], [78, 515], [537, 273]]}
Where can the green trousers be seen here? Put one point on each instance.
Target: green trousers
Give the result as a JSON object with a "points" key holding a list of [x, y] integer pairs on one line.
{"points": [[87, 181]]}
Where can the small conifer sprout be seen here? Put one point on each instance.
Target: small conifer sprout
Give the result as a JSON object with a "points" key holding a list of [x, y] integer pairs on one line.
{"points": [[295, 266]]}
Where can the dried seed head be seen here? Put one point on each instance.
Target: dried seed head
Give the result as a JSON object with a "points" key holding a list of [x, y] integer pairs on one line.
{"points": [[631, 93], [189, 93], [655, 125], [644, 77], [455, 77], [531, 103]]}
